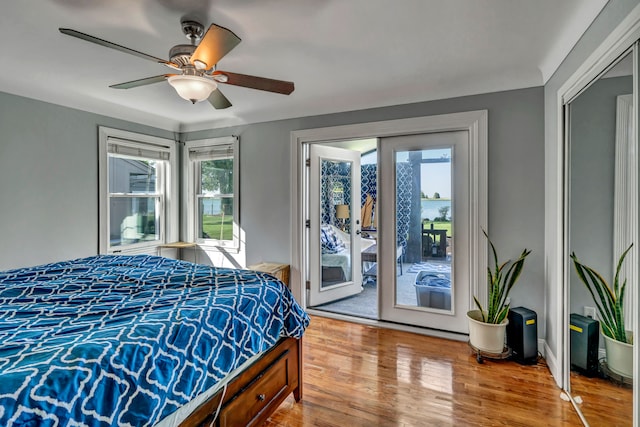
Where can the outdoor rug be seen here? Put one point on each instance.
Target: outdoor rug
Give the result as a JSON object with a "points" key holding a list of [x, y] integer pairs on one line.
{"points": [[431, 267]]}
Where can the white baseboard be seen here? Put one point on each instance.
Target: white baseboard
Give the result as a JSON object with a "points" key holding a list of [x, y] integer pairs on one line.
{"points": [[541, 347], [552, 363]]}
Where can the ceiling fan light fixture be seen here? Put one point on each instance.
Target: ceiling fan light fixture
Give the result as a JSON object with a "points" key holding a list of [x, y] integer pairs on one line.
{"points": [[192, 88]]}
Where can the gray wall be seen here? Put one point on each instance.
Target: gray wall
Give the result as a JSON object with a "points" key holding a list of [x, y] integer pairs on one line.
{"points": [[610, 17], [49, 180], [516, 177]]}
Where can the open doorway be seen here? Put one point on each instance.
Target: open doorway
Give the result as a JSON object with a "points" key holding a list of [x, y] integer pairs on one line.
{"points": [[424, 229], [342, 191], [419, 262]]}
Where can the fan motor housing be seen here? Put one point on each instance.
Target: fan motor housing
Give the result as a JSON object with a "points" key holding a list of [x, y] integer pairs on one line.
{"points": [[181, 54]]}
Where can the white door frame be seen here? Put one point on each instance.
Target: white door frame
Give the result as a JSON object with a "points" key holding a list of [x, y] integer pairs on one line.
{"points": [[556, 252], [475, 122]]}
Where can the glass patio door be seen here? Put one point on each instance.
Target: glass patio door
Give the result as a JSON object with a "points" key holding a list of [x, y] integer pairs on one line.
{"points": [[334, 224], [424, 230]]}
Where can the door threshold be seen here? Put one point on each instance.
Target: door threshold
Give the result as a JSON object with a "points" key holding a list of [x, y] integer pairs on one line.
{"points": [[455, 336]]}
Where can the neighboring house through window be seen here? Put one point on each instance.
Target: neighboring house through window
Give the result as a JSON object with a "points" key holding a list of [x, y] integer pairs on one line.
{"points": [[212, 184], [137, 184]]}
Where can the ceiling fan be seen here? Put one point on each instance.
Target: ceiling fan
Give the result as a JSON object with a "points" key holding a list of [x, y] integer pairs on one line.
{"points": [[196, 63]]}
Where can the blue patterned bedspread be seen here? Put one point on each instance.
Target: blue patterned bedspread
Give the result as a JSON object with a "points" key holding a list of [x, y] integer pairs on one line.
{"points": [[126, 340]]}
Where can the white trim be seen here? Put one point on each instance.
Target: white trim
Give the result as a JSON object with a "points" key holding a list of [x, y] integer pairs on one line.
{"points": [[618, 41], [562, 249], [571, 31], [475, 122], [169, 227], [636, 289], [479, 215], [552, 362], [542, 346]]}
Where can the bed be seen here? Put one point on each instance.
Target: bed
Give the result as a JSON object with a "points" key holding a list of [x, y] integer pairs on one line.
{"points": [[336, 253], [145, 340]]}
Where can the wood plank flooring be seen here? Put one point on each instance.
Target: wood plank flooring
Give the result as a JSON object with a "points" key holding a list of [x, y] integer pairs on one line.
{"points": [[604, 403], [357, 375]]}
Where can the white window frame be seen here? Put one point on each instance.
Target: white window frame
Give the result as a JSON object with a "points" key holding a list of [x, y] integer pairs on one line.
{"points": [[167, 183], [191, 185]]}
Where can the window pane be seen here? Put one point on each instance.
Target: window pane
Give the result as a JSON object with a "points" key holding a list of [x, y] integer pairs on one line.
{"points": [[132, 175], [335, 211], [216, 177], [215, 219], [133, 220], [425, 227]]}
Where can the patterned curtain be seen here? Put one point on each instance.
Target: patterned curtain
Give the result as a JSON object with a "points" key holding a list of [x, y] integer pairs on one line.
{"points": [[335, 189], [336, 175], [404, 176]]}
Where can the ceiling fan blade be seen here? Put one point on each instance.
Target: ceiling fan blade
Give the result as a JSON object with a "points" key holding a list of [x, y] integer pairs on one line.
{"points": [[216, 43], [253, 82], [142, 82], [218, 100], [105, 43]]}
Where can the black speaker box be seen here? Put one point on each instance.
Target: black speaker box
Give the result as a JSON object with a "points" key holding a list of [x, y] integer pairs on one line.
{"points": [[584, 336], [522, 335]]}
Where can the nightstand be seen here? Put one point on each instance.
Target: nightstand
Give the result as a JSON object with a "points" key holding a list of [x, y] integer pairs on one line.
{"points": [[279, 271]]}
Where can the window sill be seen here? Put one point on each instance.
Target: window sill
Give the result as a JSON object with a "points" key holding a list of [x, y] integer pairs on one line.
{"points": [[216, 247]]}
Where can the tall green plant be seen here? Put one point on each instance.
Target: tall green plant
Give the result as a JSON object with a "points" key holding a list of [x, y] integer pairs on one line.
{"points": [[500, 284], [610, 301]]}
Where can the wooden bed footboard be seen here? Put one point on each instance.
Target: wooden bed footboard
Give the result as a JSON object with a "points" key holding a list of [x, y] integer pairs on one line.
{"points": [[255, 393]]}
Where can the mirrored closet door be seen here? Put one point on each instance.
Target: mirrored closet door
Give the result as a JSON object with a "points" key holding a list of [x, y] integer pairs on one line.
{"points": [[601, 177]]}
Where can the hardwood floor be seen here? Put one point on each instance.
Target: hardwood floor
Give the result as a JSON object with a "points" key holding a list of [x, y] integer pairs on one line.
{"points": [[604, 403], [356, 375]]}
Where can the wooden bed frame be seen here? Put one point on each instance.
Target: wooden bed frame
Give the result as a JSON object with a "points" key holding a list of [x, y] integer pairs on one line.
{"points": [[255, 393]]}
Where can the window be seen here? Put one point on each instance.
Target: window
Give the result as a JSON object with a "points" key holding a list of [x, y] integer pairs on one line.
{"points": [[212, 188], [137, 177]]}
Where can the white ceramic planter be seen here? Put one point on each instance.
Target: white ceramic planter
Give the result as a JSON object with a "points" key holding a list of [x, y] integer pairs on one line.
{"points": [[486, 337], [619, 356]]}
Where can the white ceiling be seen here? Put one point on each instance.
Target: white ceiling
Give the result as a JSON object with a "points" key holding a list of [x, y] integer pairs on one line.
{"points": [[342, 54]]}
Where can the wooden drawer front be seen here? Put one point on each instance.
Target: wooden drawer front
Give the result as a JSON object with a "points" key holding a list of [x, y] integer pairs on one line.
{"points": [[246, 408]]}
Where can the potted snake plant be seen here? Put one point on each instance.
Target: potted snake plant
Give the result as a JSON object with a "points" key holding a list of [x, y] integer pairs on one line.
{"points": [[487, 326], [609, 300]]}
